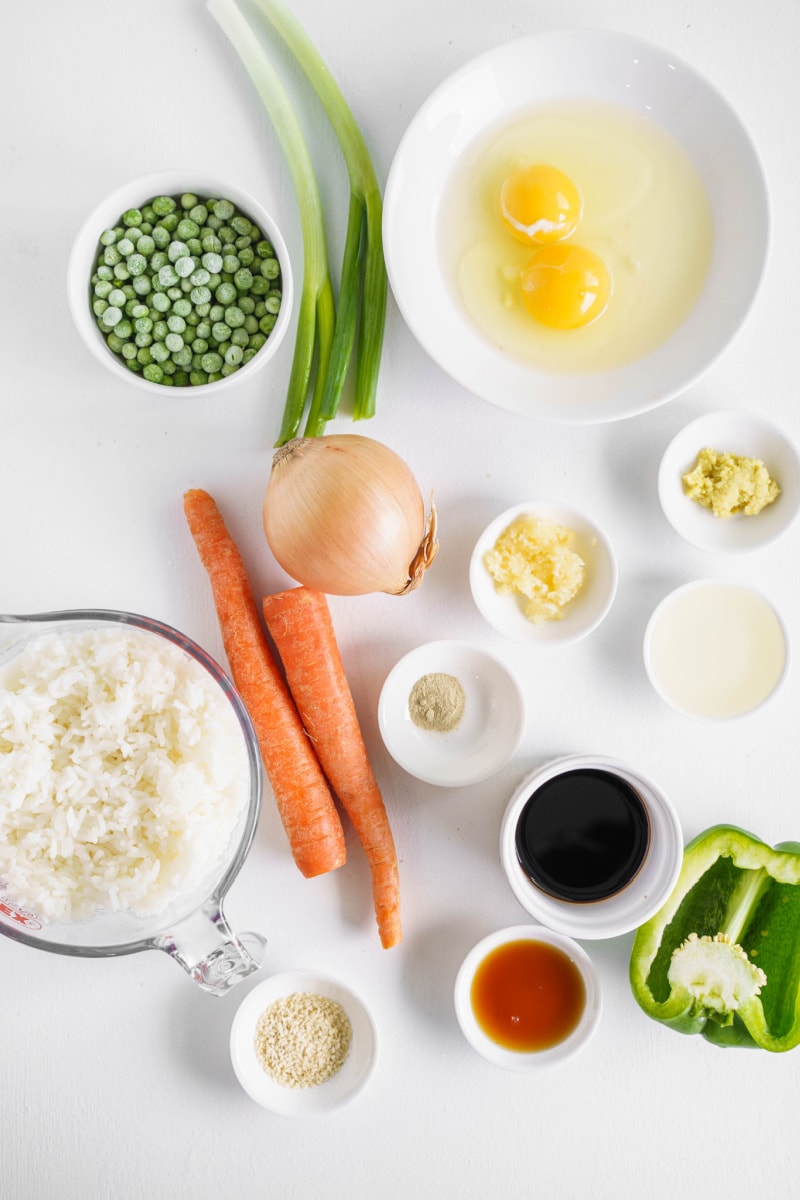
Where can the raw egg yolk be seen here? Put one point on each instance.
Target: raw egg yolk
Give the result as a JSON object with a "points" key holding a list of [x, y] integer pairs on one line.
{"points": [[539, 205], [565, 286]]}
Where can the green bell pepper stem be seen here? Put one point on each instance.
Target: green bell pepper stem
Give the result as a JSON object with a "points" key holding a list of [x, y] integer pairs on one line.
{"points": [[731, 884]]}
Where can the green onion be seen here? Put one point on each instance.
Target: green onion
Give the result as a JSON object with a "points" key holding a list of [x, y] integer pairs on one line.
{"points": [[362, 305]]}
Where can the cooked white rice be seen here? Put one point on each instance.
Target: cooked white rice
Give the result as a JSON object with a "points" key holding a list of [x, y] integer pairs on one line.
{"points": [[123, 772]]}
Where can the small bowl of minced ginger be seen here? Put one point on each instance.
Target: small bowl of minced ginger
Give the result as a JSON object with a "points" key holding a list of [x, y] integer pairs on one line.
{"points": [[729, 482], [543, 573]]}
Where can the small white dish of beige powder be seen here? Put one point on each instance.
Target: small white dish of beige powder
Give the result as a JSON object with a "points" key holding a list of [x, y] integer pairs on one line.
{"points": [[451, 713], [302, 1044]]}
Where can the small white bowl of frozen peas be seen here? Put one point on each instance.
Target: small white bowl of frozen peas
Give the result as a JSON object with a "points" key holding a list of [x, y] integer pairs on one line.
{"points": [[716, 649], [450, 713], [178, 282], [729, 482], [565, 584], [303, 1044]]}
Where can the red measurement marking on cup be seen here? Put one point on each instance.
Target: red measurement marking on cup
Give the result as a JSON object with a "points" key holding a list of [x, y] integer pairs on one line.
{"points": [[20, 915]]}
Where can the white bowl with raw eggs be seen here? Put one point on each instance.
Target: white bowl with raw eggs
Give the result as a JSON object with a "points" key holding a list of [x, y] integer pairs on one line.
{"points": [[575, 226]]}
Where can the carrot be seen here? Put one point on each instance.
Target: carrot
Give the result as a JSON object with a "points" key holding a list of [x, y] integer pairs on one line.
{"points": [[300, 624], [301, 791]]}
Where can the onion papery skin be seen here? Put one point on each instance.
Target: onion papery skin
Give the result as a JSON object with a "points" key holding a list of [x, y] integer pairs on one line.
{"points": [[343, 514]]}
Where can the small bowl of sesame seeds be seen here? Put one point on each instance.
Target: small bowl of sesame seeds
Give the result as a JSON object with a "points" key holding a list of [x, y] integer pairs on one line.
{"points": [[178, 282], [302, 1044]]}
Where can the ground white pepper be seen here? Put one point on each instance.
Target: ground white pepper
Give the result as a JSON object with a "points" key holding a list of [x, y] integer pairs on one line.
{"points": [[437, 702], [303, 1039]]}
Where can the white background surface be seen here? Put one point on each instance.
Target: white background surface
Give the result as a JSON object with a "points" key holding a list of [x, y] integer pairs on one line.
{"points": [[115, 1078]]}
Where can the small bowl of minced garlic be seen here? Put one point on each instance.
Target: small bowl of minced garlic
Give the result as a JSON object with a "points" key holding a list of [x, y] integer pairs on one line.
{"points": [[302, 1044], [451, 713], [543, 573], [729, 482]]}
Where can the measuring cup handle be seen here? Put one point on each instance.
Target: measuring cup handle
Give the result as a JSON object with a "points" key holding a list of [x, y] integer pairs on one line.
{"points": [[215, 957]]}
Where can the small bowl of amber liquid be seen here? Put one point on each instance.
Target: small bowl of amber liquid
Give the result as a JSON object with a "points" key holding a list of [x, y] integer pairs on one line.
{"points": [[527, 997]]}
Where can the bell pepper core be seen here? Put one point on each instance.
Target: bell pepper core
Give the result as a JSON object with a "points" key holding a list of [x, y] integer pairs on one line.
{"points": [[722, 956]]}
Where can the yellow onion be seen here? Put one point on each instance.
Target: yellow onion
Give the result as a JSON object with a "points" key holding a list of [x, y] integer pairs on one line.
{"points": [[343, 514]]}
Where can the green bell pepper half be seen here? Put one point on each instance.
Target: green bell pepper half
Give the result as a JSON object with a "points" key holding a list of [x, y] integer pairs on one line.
{"points": [[722, 956]]}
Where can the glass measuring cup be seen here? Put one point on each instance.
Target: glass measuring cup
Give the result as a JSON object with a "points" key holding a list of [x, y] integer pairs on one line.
{"points": [[192, 928]]}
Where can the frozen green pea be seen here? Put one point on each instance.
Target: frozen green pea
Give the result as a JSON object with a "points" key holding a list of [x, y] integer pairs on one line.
{"points": [[273, 303], [162, 205], [153, 372], [133, 364], [225, 293], [182, 307], [142, 285], [187, 229], [140, 310], [197, 213], [200, 277], [137, 264], [143, 325], [181, 379], [129, 350], [200, 295], [211, 361], [243, 279], [145, 245], [265, 249], [173, 342], [167, 276], [143, 355], [132, 217], [188, 200], [170, 222], [159, 260], [250, 324], [99, 306], [161, 302], [267, 323], [270, 268], [203, 309], [212, 262], [105, 272], [121, 272], [176, 250], [216, 313], [223, 209], [124, 328], [174, 292], [220, 331], [111, 316], [160, 330], [246, 256], [103, 288], [234, 317], [125, 246], [260, 286], [198, 378], [233, 355], [148, 214], [240, 337], [111, 256], [230, 263], [199, 345], [108, 237], [185, 266], [248, 355], [160, 237], [143, 339], [182, 357], [240, 224], [159, 352], [175, 323]]}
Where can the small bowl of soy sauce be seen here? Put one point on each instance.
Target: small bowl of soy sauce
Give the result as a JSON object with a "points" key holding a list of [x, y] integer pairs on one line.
{"points": [[591, 846]]}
